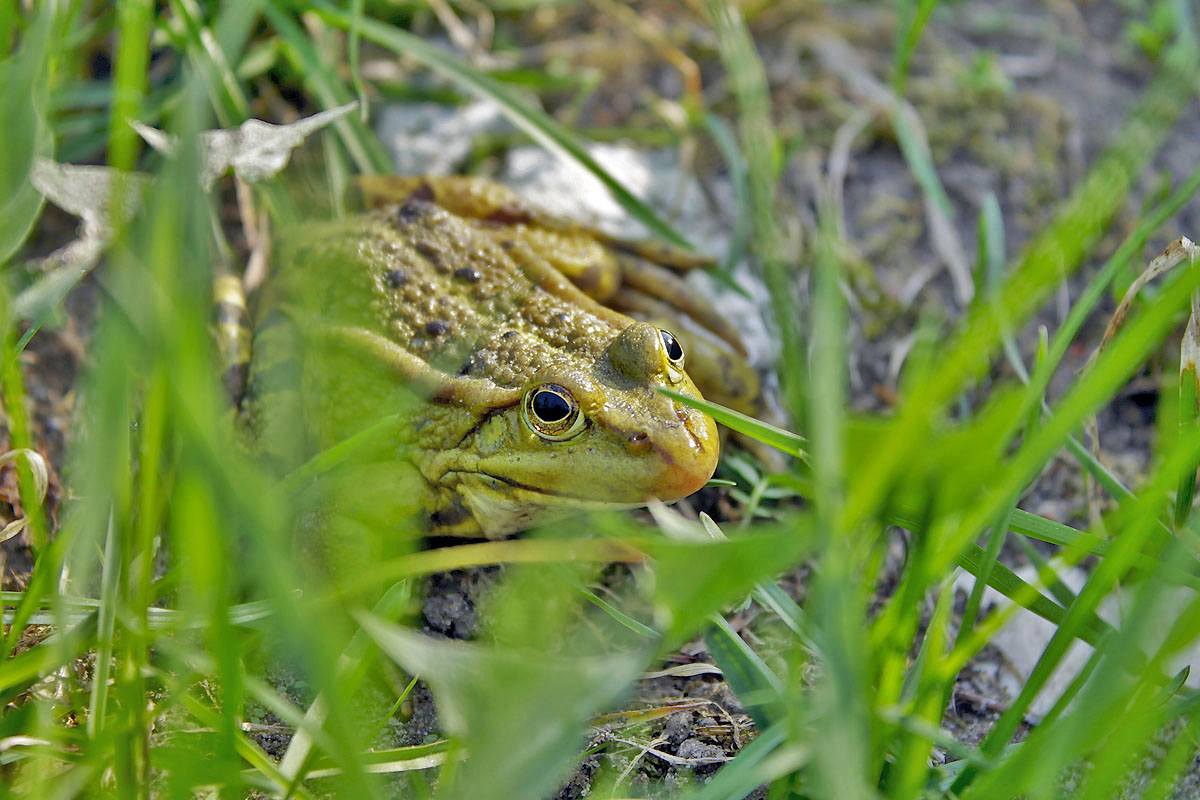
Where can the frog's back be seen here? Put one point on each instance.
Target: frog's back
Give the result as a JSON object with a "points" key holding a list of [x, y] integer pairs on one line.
{"points": [[437, 286]]}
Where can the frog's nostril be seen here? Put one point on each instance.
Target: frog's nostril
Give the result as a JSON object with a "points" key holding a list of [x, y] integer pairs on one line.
{"points": [[639, 442]]}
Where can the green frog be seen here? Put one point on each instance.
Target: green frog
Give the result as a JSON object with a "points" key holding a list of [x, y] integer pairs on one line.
{"points": [[485, 329]]}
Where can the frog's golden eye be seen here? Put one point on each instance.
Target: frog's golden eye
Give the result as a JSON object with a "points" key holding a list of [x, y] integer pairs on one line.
{"points": [[674, 349], [551, 412]]}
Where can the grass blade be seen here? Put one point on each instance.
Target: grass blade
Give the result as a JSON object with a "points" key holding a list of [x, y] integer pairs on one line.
{"points": [[539, 127], [756, 686], [783, 440]]}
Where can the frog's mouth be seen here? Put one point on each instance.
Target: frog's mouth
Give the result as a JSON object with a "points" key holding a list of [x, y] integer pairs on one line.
{"points": [[502, 506], [581, 480]]}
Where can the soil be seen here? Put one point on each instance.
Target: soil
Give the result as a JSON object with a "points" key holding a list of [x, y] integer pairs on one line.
{"points": [[1017, 101]]}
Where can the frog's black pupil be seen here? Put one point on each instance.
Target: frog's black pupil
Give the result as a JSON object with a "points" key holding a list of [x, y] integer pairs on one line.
{"points": [[674, 351], [550, 406]]}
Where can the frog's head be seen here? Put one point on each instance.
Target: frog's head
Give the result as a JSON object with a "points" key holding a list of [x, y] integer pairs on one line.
{"points": [[587, 438]]}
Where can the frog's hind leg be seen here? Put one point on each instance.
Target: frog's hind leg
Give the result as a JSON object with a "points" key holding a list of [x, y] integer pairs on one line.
{"points": [[668, 255]]}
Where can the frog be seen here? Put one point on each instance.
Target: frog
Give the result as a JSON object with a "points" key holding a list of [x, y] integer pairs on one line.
{"points": [[516, 394]]}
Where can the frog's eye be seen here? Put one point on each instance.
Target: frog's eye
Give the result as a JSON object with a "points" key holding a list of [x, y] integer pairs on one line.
{"points": [[674, 349], [551, 412]]}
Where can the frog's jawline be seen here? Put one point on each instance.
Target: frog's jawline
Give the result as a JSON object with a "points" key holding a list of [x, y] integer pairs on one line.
{"points": [[499, 516]]}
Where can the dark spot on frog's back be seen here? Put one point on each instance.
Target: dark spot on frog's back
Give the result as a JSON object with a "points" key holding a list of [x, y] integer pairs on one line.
{"points": [[396, 278], [411, 210], [436, 327], [468, 274]]}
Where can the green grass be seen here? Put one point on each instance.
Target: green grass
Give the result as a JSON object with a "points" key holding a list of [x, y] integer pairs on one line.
{"points": [[174, 598]]}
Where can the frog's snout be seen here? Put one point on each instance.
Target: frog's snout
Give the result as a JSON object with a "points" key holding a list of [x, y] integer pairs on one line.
{"points": [[690, 458]]}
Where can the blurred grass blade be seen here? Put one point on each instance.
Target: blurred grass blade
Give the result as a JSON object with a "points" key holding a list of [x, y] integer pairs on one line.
{"points": [[773, 597], [916, 153], [353, 665], [989, 268], [1189, 398], [989, 274], [109, 583], [323, 81], [608, 608], [735, 162], [1178, 682], [752, 767], [909, 769], [695, 579], [26, 135], [761, 146], [912, 18], [1023, 522], [1171, 768], [210, 54], [18, 672], [983, 574], [1009, 584], [483, 689], [756, 686]]}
